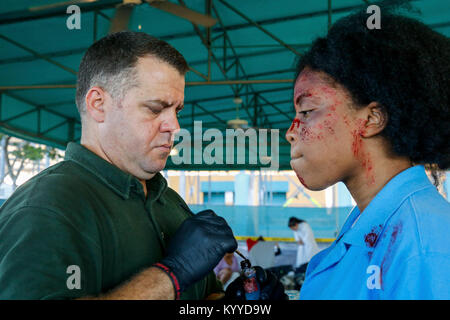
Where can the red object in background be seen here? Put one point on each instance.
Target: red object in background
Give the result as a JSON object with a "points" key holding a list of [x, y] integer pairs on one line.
{"points": [[250, 243]]}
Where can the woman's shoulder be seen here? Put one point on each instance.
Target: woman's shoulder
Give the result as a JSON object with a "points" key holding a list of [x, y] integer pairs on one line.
{"points": [[426, 213]]}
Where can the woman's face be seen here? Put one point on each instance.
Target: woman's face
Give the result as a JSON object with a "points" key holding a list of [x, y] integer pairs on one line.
{"points": [[325, 136]]}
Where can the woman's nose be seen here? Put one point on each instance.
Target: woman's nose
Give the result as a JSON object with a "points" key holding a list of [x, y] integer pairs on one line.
{"points": [[291, 133]]}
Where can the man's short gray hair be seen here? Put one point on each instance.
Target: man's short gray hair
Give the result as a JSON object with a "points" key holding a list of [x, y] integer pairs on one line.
{"points": [[110, 63]]}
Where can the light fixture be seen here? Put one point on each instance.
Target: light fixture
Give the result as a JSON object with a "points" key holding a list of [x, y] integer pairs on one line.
{"points": [[237, 100], [237, 123]]}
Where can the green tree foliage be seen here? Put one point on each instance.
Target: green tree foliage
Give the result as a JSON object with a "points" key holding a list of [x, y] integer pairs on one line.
{"points": [[22, 152]]}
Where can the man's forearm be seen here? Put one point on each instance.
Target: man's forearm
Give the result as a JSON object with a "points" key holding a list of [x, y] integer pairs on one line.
{"points": [[149, 284]]}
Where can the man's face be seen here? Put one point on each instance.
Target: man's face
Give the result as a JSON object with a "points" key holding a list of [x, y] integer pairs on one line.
{"points": [[137, 133], [325, 134]]}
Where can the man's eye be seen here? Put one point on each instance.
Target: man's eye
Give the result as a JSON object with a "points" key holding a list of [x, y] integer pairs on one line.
{"points": [[154, 109]]}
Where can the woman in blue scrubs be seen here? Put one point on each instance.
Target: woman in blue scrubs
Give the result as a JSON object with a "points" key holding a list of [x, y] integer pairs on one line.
{"points": [[373, 110]]}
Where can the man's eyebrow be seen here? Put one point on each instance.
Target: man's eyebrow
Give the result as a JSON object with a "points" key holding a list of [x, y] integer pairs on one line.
{"points": [[163, 103]]}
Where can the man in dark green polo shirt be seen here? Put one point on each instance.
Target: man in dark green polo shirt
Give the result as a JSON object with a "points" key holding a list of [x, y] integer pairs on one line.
{"points": [[103, 224]]}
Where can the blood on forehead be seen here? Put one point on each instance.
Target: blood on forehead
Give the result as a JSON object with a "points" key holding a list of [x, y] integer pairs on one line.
{"points": [[313, 83]]}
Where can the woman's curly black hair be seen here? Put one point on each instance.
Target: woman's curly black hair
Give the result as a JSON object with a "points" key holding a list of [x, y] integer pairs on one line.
{"points": [[405, 67]]}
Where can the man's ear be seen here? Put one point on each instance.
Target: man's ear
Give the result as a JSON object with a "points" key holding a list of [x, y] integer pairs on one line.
{"points": [[95, 100], [376, 119]]}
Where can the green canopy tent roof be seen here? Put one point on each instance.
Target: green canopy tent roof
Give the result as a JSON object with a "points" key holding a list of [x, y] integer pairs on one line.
{"points": [[249, 52]]}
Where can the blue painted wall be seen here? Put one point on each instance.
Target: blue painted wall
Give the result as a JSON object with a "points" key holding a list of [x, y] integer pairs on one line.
{"points": [[271, 221]]}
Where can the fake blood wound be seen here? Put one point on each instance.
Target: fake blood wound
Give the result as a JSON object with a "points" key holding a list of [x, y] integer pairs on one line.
{"points": [[295, 123], [371, 238], [360, 154], [388, 256], [306, 134], [357, 143], [302, 181]]}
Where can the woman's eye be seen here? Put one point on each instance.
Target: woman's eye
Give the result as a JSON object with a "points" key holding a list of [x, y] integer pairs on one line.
{"points": [[305, 113]]}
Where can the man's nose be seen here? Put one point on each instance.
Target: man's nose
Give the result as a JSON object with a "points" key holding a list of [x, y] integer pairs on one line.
{"points": [[170, 123]]}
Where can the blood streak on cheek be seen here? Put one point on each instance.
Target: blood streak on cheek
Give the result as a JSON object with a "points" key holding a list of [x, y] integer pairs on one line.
{"points": [[329, 126], [306, 134], [346, 121]]}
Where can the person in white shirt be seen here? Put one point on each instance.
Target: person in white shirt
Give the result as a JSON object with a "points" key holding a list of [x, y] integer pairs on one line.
{"points": [[304, 236]]}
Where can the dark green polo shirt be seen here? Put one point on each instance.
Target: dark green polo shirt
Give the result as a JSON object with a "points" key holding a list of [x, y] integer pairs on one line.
{"points": [[84, 219]]}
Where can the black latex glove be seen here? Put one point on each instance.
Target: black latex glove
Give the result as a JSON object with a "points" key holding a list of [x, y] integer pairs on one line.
{"points": [[196, 248], [269, 286]]}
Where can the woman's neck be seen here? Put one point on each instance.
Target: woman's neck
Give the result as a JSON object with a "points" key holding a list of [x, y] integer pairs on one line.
{"points": [[363, 189]]}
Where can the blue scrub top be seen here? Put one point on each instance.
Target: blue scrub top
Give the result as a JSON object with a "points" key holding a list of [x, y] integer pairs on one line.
{"points": [[399, 248]]}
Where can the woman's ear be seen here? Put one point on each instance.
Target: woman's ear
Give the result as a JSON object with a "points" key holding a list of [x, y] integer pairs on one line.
{"points": [[95, 100], [376, 120]]}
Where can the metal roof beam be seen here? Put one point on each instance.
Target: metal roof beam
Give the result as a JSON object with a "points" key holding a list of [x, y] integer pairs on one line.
{"points": [[38, 55], [276, 108], [24, 15], [189, 83], [54, 54], [213, 56], [246, 55], [42, 107], [22, 133], [195, 104], [239, 65], [30, 14], [232, 109], [236, 82], [243, 94], [255, 24]]}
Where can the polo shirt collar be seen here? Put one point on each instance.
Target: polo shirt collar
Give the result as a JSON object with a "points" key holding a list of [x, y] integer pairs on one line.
{"points": [[120, 182], [156, 187], [371, 223]]}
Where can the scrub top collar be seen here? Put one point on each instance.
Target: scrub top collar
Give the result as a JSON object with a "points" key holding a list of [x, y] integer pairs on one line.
{"points": [[365, 233]]}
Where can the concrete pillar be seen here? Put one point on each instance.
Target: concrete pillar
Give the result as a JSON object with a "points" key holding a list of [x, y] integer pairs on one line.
{"points": [[344, 196], [182, 188], [242, 189]]}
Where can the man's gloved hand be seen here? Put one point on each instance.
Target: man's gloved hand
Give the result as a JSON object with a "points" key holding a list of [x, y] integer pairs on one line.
{"points": [[269, 286], [196, 248]]}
